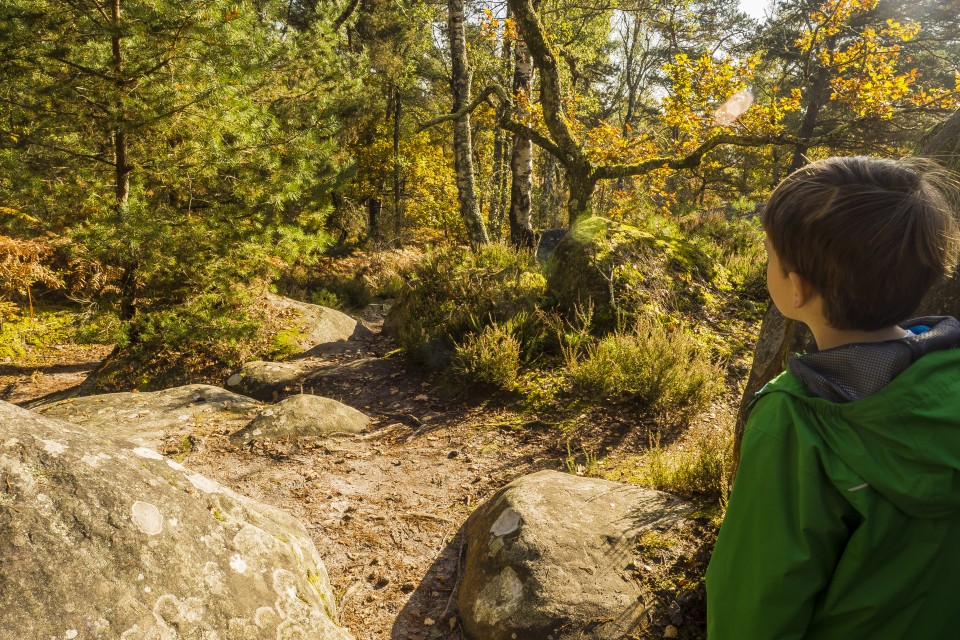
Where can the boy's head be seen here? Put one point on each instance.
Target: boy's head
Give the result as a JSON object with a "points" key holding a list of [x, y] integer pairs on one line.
{"points": [[870, 235]]}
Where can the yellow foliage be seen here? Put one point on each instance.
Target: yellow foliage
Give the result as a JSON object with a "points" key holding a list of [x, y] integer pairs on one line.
{"points": [[869, 74]]}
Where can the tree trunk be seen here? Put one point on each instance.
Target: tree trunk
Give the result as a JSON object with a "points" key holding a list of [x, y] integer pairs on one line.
{"points": [[374, 207], [521, 160], [582, 185], [547, 197], [462, 140], [819, 96], [121, 164], [501, 148], [397, 191]]}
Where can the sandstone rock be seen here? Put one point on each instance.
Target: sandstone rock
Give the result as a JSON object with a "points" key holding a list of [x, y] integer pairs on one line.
{"points": [[104, 540], [150, 418], [266, 380], [547, 557], [299, 418], [319, 328]]}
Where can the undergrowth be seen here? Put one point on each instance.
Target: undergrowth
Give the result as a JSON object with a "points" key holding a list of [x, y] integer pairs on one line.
{"points": [[24, 339]]}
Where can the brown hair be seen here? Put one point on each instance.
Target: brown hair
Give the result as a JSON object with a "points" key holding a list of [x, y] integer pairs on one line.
{"points": [[871, 235]]}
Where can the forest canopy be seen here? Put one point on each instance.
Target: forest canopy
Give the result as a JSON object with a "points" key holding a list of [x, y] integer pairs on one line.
{"points": [[165, 158]]}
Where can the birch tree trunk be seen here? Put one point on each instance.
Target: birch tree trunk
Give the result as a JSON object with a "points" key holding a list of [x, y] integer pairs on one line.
{"points": [[462, 140], [521, 159]]}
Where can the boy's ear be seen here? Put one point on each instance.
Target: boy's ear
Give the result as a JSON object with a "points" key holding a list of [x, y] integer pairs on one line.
{"points": [[803, 290]]}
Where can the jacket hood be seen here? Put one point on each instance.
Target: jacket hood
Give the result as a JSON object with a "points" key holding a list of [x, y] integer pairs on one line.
{"points": [[904, 440]]}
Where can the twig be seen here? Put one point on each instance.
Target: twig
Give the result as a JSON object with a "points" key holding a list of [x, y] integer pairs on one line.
{"points": [[426, 516]]}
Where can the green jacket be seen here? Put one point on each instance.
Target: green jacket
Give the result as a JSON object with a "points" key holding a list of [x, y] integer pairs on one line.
{"points": [[844, 520]]}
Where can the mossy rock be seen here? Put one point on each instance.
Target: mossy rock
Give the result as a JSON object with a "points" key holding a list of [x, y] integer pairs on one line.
{"points": [[622, 271]]}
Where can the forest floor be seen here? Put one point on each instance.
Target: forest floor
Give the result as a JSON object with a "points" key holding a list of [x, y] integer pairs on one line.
{"points": [[384, 508]]}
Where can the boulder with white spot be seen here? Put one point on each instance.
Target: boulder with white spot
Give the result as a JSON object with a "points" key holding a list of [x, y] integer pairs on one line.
{"points": [[103, 539], [301, 418], [549, 557], [151, 418]]}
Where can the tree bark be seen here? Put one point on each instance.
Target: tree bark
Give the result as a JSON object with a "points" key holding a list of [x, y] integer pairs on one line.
{"points": [[521, 159], [374, 207], [501, 149], [462, 139], [397, 190], [582, 184], [128, 282], [819, 95]]}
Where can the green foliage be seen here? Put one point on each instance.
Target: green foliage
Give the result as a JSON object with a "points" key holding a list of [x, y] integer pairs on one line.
{"points": [[97, 327], [491, 357], [349, 282], [325, 298], [23, 339], [456, 293], [284, 344], [662, 368], [223, 122], [202, 339]]}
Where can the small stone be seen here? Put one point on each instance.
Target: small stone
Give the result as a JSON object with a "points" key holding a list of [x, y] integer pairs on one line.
{"points": [[453, 454], [429, 622], [407, 587], [670, 631]]}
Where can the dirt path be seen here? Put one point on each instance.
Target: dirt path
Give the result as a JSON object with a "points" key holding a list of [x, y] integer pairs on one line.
{"points": [[57, 368], [384, 509]]}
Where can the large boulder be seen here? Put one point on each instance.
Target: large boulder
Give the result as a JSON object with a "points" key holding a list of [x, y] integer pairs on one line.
{"points": [[301, 418], [550, 556], [265, 380], [315, 328], [101, 539], [150, 418]]}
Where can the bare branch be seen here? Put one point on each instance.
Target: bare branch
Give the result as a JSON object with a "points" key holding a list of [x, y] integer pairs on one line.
{"points": [[491, 90], [691, 160], [345, 15], [533, 136]]}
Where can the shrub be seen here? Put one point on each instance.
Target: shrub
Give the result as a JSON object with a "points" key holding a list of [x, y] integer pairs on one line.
{"points": [[662, 368], [350, 281], [21, 336], [700, 464], [491, 357], [736, 243], [198, 340], [456, 293]]}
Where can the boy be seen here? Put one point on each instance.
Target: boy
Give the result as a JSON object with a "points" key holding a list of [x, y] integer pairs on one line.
{"points": [[844, 521]]}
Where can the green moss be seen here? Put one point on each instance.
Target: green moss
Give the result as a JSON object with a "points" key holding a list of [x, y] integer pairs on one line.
{"points": [[285, 343]]}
